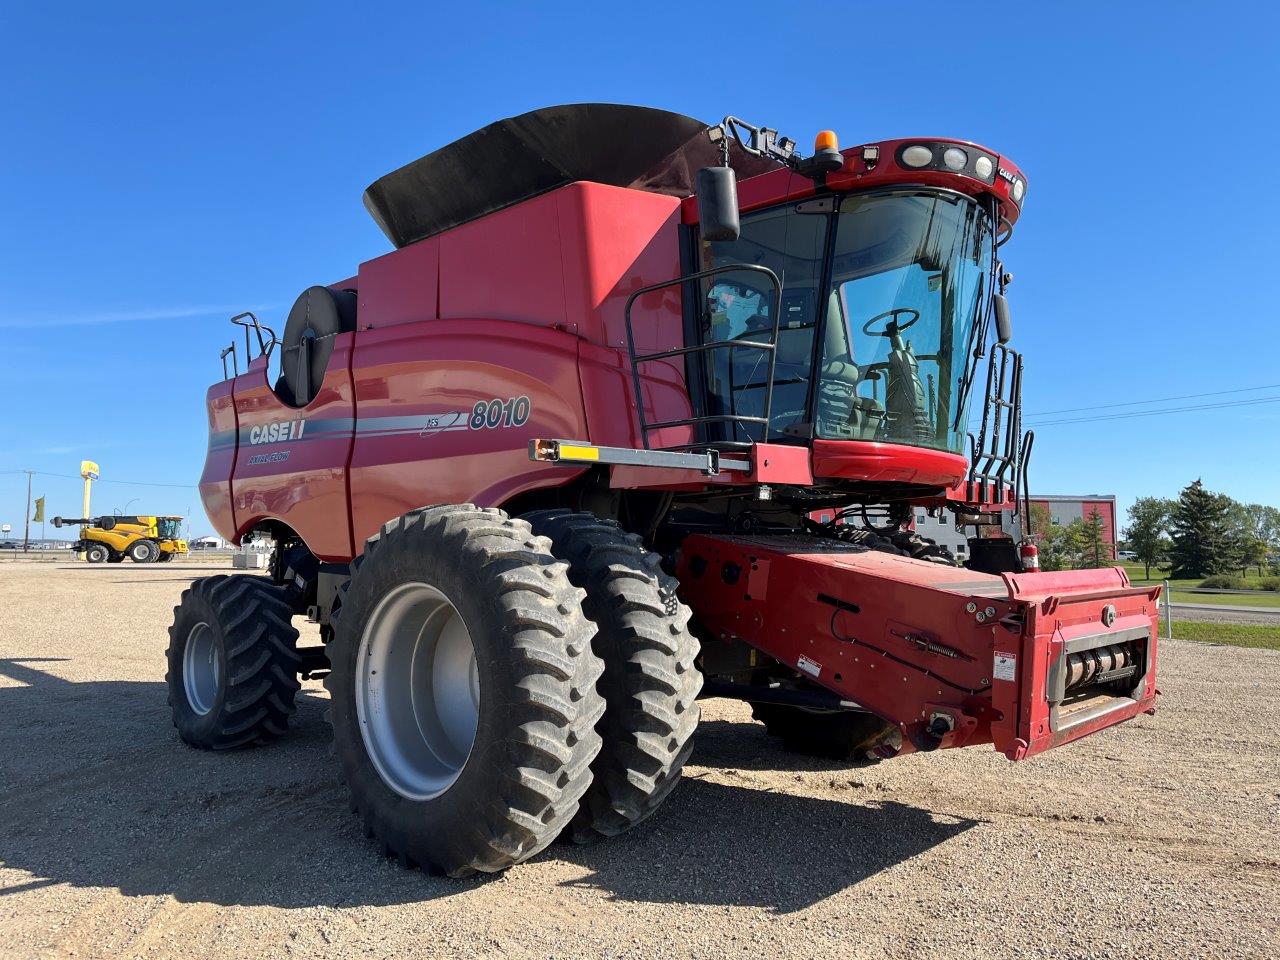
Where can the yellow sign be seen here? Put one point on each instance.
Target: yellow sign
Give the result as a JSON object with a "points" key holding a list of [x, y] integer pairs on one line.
{"points": [[39, 514], [89, 470]]}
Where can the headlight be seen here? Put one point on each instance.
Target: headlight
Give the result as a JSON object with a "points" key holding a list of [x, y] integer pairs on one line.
{"points": [[982, 167], [1019, 188], [917, 156], [955, 158]]}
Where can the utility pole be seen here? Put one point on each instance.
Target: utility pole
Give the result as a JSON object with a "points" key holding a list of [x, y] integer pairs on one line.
{"points": [[26, 535]]}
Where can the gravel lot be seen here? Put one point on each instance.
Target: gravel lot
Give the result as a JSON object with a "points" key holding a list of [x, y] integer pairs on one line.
{"points": [[1158, 838]]}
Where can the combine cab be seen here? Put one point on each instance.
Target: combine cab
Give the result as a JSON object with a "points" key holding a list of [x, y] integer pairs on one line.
{"points": [[632, 359]]}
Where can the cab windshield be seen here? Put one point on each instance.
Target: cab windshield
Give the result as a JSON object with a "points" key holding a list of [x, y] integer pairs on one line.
{"points": [[167, 528], [901, 281]]}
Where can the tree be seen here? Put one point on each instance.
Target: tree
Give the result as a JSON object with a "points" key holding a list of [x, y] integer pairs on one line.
{"points": [[1051, 540], [1078, 545], [1264, 526], [1201, 533], [1094, 549], [1148, 528]]}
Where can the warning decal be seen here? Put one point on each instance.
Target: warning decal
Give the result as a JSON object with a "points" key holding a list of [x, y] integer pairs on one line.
{"points": [[811, 667], [1006, 666]]}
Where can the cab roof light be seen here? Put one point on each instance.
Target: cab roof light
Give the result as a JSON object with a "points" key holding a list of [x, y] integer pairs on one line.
{"points": [[826, 154], [871, 156], [916, 156]]}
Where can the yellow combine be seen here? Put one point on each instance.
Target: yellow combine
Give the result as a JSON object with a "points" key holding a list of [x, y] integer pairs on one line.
{"points": [[141, 539]]}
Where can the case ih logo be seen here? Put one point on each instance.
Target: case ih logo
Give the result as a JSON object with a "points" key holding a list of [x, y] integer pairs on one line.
{"points": [[276, 432]]}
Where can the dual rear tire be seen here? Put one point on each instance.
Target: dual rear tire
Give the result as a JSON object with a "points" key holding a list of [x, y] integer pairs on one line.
{"points": [[496, 682], [650, 682]]}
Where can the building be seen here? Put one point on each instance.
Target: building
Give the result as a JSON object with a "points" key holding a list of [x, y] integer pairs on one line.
{"points": [[1065, 510], [1062, 511]]}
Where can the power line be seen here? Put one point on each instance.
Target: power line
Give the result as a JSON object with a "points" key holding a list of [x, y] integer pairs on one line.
{"points": [[127, 483], [1135, 403], [1157, 413]]}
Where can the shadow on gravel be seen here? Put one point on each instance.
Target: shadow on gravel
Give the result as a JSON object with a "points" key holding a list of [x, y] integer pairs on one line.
{"points": [[96, 790], [739, 845]]}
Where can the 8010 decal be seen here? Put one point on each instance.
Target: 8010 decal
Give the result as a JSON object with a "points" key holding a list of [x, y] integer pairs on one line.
{"points": [[488, 414]]}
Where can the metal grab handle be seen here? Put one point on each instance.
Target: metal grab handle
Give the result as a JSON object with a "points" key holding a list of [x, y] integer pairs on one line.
{"points": [[235, 367], [250, 322]]}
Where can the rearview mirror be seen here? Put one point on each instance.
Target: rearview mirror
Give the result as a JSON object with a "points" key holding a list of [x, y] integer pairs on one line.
{"points": [[1004, 322], [718, 203]]}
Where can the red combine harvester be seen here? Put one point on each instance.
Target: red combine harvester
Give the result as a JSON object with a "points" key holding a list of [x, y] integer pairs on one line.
{"points": [[675, 394]]}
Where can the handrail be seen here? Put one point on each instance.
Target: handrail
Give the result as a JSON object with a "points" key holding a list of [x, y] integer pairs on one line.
{"points": [[996, 455], [252, 323], [770, 346]]}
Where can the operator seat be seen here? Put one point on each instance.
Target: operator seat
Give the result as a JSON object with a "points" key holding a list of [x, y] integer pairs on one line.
{"points": [[842, 414], [906, 417]]}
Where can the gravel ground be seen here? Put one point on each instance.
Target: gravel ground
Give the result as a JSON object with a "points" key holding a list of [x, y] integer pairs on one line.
{"points": [[1157, 838]]}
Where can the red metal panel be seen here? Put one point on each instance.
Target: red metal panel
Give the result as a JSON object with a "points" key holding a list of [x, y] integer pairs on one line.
{"points": [[506, 266], [616, 241], [909, 639], [291, 462], [417, 387], [215, 481], [400, 287], [891, 462]]}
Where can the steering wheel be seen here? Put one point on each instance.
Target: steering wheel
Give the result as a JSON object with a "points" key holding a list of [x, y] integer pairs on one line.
{"points": [[893, 327]]}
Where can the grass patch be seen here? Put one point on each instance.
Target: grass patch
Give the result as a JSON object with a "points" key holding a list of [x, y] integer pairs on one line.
{"points": [[1236, 634], [1136, 571], [1266, 601]]}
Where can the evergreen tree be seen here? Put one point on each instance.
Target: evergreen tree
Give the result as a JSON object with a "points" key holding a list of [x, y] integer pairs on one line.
{"points": [[1201, 534], [1096, 552]]}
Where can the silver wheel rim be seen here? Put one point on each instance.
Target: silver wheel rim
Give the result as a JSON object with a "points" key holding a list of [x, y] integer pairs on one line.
{"points": [[417, 691], [201, 669]]}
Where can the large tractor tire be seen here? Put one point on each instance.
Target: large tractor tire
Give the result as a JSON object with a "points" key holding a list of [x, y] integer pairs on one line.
{"points": [[650, 683], [164, 557], [143, 551], [844, 735], [96, 553], [464, 690], [233, 662]]}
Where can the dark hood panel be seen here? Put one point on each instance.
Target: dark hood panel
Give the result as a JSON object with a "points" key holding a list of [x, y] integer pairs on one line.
{"points": [[520, 157]]}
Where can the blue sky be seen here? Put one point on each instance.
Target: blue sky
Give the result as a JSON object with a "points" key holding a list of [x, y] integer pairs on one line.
{"points": [[160, 171]]}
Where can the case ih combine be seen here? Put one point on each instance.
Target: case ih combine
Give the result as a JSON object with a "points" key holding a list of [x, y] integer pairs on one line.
{"points": [[640, 410]]}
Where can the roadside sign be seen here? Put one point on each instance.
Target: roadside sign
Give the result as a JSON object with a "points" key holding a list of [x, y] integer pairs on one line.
{"points": [[88, 470]]}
